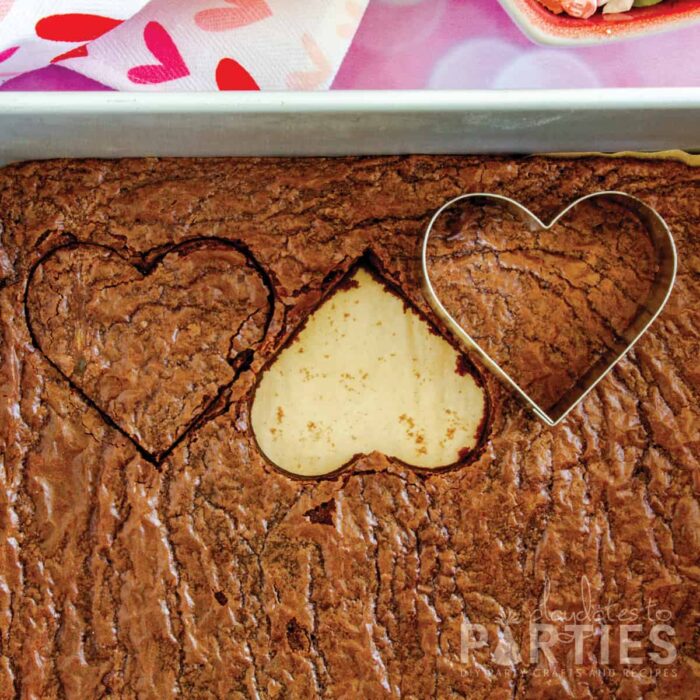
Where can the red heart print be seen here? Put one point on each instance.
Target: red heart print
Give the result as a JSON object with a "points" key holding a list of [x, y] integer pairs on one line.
{"points": [[7, 53], [74, 27], [77, 52], [243, 12], [170, 65], [231, 75]]}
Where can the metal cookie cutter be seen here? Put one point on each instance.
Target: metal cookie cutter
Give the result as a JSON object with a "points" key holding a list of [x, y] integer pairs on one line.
{"points": [[667, 261]]}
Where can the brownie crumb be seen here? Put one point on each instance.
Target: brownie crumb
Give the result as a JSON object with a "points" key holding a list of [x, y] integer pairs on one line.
{"points": [[464, 367], [297, 636], [323, 514]]}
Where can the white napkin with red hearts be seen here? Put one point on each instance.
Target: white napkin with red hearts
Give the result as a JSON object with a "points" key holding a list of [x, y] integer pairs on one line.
{"points": [[182, 44]]}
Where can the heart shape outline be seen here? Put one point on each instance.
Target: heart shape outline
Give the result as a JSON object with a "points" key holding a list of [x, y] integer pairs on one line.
{"points": [[150, 260], [74, 26], [231, 75], [8, 53], [170, 66], [242, 14], [369, 261], [659, 292]]}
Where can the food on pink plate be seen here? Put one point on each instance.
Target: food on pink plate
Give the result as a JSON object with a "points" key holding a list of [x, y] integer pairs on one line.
{"points": [[587, 8]]}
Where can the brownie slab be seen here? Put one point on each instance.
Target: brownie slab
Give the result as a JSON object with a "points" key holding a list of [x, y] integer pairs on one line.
{"points": [[151, 348], [544, 303], [210, 574]]}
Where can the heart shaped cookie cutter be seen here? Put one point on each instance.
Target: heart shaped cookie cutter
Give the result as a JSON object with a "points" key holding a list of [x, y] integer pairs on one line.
{"points": [[667, 261]]}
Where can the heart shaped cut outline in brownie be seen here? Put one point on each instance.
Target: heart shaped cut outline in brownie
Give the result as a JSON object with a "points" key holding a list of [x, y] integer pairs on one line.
{"points": [[667, 258], [145, 265], [343, 279]]}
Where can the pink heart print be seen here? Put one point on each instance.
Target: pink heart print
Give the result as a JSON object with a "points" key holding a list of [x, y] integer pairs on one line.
{"points": [[5, 6], [243, 12], [7, 53], [170, 64]]}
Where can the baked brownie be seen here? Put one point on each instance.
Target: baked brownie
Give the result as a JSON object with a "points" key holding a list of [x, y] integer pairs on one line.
{"points": [[503, 281], [149, 551]]}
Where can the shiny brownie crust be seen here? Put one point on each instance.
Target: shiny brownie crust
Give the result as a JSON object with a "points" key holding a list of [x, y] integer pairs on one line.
{"points": [[148, 551]]}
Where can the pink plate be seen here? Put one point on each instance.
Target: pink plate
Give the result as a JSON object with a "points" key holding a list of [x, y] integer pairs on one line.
{"points": [[545, 27]]}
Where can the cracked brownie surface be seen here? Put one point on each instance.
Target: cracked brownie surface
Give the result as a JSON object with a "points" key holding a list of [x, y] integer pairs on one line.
{"points": [[545, 303], [151, 348], [147, 549]]}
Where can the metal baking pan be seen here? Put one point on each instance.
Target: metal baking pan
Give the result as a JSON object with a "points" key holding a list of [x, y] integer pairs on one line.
{"points": [[49, 125]]}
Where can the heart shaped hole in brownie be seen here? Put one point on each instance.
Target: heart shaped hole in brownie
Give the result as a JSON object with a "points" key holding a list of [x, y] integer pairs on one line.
{"points": [[367, 372], [549, 304], [150, 345]]}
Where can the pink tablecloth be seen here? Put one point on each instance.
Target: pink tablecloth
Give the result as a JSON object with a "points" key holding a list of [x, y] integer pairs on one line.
{"points": [[472, 44]]}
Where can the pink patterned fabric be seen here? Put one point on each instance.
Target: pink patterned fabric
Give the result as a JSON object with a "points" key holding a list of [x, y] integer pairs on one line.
{"points": [[399, 44], [181, 44]]}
